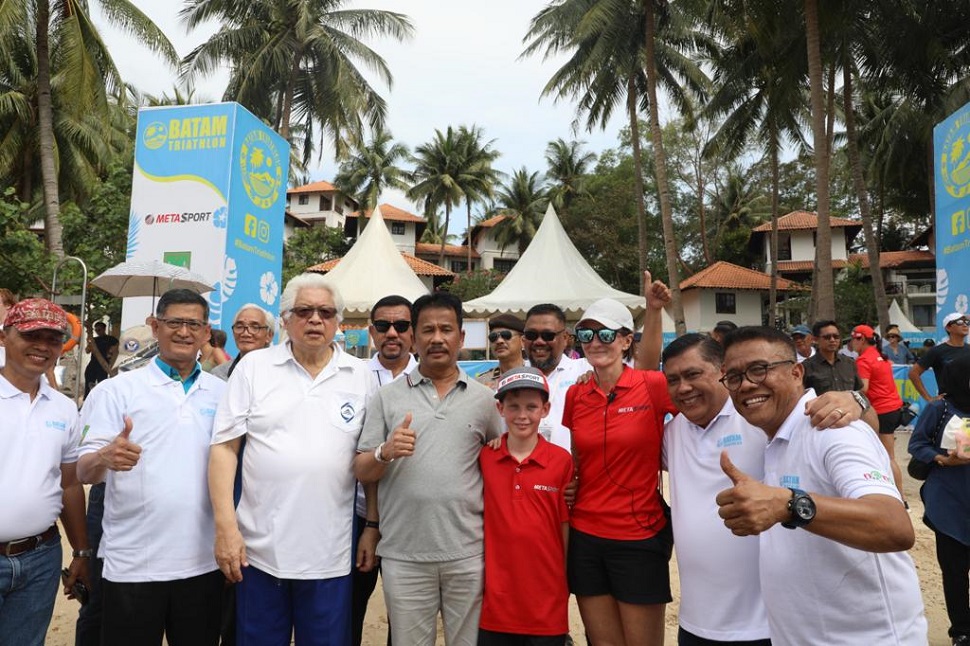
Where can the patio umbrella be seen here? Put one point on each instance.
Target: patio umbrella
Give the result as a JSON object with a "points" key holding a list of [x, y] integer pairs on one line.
{"points": [[149, 278]]}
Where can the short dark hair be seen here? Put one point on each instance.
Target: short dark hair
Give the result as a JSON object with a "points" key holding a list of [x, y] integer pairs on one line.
{"points": [[393, 300], [218, 338], [759, 333], [181, 297], [443, 300], [817, 328], [711, 351], [547, 308], [101, 323]]}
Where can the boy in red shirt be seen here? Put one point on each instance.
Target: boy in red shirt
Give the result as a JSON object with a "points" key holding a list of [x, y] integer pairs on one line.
{"points": [[526, 599]]}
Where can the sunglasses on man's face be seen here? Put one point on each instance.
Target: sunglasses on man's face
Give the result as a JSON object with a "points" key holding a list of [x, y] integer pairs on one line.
{"points": [[546, 335], [505, 335], [401, 326], [307, 312]]}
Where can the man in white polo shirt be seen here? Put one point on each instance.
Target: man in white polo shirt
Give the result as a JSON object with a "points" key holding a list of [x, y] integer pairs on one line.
{"points": [[37, 474], [301, 407], [832, 526], [147, 433]]}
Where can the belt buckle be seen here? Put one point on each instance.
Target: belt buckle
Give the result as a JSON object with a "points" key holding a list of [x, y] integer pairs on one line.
{"points": [[6, 551]]}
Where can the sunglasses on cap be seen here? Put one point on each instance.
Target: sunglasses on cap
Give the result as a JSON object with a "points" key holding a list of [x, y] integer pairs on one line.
{"points": [[605, 335], [505, 335], [546, 335], [400, 326]]}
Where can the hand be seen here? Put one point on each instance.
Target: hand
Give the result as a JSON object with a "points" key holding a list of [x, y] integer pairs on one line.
{"points": [[656, 293], [401, 442], [122, 454], [78, 569], [495, 444], [585, 377], [367, 558], [569, 493], [952, 459], [749, 507], [230, 553], [833, 409]]}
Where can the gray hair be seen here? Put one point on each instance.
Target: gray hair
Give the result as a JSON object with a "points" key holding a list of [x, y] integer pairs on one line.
{"points": [[310, 281], [268, 317]]}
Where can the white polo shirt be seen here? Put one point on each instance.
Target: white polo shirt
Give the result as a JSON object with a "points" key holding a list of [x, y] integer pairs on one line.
{"points": [[158, 523], [297, 505], [383, 376], [720, 589], [800, 357], [560, 379], [818, 591], [36, 438]]}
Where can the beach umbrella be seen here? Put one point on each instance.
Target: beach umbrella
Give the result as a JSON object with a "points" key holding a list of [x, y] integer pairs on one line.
{"points": [[149, 278]]}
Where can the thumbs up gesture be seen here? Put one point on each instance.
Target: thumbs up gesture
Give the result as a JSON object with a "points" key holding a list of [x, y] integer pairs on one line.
{"points": [[749, 507], [122, 454], [656, 293], [401, 443]]}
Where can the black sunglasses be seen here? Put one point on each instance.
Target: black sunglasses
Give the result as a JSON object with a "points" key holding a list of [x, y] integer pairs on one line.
{"points": [[307, 312], [605, 335], [501, 334], [547, 335], [401, 326]]}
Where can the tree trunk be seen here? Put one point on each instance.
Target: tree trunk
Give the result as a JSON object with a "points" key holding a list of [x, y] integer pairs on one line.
{"points": [[469, 235], [288, 89], [773, 287], [702, 213], [444, 235], [48, 145], [631, 104], [823, 289], [862, 194], [660, 167]]}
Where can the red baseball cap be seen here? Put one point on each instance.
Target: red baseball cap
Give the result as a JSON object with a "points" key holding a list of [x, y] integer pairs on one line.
{"points": [[36, 314], [863, 332]]}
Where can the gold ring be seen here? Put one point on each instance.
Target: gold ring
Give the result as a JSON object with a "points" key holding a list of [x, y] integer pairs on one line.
{"points": [[840, 412]]}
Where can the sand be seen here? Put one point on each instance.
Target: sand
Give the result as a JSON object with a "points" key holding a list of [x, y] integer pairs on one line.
{"points": [[61, 632]]}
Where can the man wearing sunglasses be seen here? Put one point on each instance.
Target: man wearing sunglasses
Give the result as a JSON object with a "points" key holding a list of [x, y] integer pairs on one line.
{"points": [[252, 329], [391, 332], [505, 337], [957, 327], [828, 369], [833, 494]]}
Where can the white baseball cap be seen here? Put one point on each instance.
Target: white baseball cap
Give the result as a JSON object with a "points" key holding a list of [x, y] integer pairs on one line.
{"points": [[950, 318], [609, 313]]}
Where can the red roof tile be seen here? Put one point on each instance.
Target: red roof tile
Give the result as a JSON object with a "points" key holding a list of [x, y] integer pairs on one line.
{"points": [[420, 267], [724, 275], [792, 266], [313, 187], [893, 259], [804, 220], [492, 221], [431, 249], [389, 212]]}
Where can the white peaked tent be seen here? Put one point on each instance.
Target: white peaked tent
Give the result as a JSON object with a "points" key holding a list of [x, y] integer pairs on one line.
{"points": [[898, 317], [550, 271], [373, 269]]}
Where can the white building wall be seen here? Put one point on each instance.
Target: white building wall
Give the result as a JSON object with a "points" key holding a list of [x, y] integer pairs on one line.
{"points": [[703, 314]]}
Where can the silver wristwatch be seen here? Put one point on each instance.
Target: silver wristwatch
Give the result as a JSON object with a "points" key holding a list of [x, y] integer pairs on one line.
{"points": [[862, 400], [379, 457]]}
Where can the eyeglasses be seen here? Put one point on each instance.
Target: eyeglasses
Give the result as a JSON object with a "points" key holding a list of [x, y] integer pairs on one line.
{"points": [[547, 335], [505, 335], [400, 326], [605, 335], [250, 328], [894, 336], [756, 374], [176, 324], [307, 312], [829, 337], [963, 321]]}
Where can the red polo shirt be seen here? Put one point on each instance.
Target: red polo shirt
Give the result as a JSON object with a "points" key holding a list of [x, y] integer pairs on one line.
{"points": [[882, 391], [617, 445], [525, 558]]}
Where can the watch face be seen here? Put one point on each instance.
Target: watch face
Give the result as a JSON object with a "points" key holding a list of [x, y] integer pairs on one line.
{"points": [[804, 508]]}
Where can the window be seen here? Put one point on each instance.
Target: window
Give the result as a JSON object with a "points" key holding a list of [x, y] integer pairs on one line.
{"points": [[459, 266], [397, 228], [304, 199], [503, 265], [784, 246], [724, 303], [326, 203], [924, 315]]}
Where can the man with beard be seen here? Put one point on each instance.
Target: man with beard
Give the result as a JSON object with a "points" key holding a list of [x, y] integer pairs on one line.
{"points": [[390, 328], [505, 335]]}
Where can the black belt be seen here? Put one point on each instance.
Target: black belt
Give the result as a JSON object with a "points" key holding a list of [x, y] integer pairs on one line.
{"points": [[20, 546]]}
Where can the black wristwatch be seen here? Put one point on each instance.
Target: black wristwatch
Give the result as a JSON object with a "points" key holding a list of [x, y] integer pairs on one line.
{"points": [[801, 508], [862, 400]]}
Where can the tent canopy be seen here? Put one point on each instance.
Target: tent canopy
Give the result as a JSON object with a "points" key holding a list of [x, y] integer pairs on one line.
{"points": [[550, 271], [373, 269], [898, 317]]}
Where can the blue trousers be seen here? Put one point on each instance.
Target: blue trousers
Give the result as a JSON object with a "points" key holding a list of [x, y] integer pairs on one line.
{"points": [[28, 587]]}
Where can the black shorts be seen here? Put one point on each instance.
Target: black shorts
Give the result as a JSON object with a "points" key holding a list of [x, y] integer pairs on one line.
{"points": [[630, 571], [889, 422], [492, 638]]}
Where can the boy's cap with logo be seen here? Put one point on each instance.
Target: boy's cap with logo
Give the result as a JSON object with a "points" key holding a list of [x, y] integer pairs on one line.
{"points": [[525, 377]]}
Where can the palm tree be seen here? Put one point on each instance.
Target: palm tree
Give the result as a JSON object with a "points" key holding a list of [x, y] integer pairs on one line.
{"points": [[522, 201], [372, 168], [298, 61], [72, 60], [617, 59], [478, 180], [568, 166]]}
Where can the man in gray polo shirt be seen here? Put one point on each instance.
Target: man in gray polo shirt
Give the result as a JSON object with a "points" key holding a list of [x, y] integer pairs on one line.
{"points": [[420, 442]]}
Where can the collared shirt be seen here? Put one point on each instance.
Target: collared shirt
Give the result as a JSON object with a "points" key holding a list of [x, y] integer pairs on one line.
{"points": [[158, 523], [383, 375], [800, 357], [176, 376], [560, 379], [823, 376], [882, 392], [524, 552], [36, 437], [297, 504], [720, 588], [853, 596], [431, 502]]}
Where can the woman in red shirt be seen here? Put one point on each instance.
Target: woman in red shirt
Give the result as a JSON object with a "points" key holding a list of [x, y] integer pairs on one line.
{"points": [[620, 540], [879, 385]]}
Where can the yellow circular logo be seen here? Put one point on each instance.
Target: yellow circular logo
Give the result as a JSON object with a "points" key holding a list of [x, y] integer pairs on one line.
{"points": [[155, 135], [262, 171], [955, 160]]}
